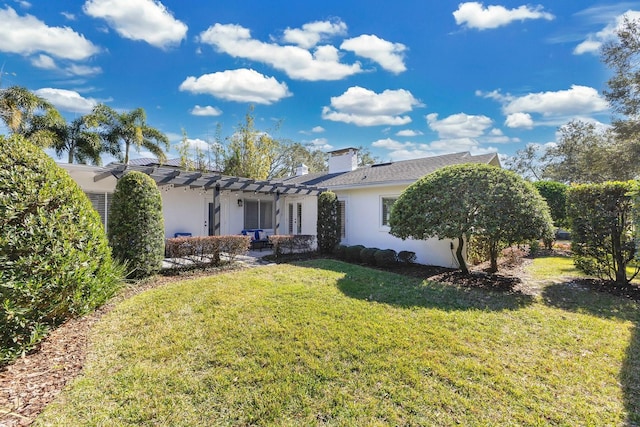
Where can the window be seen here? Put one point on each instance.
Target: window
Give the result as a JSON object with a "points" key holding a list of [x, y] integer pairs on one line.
{"points": [[258, 214], [387, 202], [102, 204], [342, 218]]}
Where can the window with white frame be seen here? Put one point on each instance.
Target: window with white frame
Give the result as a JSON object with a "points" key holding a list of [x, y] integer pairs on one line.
{"points": [[258, 214], [342, 215], [386, 203]]}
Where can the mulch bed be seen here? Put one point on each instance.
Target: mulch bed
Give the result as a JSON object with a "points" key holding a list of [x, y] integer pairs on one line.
{"points": [[34, 380]]}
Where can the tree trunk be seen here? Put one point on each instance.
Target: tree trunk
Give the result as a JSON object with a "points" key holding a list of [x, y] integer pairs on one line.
{"points": [[493, 257], [618, 258], [461, 262]]}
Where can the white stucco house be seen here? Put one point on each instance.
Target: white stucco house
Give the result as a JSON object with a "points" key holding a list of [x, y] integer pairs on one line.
{"points": [[209, 203], [365, 195]]}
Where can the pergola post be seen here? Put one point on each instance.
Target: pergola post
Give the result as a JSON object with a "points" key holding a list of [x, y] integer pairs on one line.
{"points": [[277, 202]]}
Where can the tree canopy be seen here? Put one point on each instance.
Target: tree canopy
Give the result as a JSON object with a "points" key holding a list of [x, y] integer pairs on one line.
{"points": [[458, 201], [29, 115], [131, 129]]}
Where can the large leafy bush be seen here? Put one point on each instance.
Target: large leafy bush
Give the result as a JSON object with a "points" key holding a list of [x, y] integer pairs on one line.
{"points": [[456, 202], [55, 261], [136, 224], [602, 229]]}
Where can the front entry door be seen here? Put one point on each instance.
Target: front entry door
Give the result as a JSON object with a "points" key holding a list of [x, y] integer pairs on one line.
{"points": [[295, 218]]}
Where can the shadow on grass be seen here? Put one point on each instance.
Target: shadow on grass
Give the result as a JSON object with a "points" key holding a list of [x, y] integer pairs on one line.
{"points": [[398, 290], [583, 296]]}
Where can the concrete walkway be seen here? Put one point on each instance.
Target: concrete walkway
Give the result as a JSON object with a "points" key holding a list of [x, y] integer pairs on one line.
{"points": [[251, 258]]}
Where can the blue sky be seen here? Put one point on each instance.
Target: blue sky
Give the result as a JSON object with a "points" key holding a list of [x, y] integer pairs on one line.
{"points": [[407, 79]]}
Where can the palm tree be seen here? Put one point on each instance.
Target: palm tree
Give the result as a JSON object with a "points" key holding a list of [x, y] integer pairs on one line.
{"points": [[132, 129], [18, 107], [80, 140]]}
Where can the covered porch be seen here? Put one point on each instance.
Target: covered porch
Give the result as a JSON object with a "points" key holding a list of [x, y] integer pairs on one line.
{"points": [[208, 203]]}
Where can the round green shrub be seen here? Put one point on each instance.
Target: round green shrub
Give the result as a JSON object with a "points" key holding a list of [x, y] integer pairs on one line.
{"points": [[386, 258], [136, 224], [407, 257], [340, 251], [367, 255], [353, 253], [55, 260]]}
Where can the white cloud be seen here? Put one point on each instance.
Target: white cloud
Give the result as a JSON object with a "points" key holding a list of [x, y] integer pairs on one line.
{"points": [[197, 143], [67, 100], [459, 125], [70, 16], [550, 108], [320, 144], [577, 100], [242, 85], [389, 55], [317, 129], [392, 144], [23, 4], [83, 70], [409, 150], [409, 132], [364, 107], [44, 61], [298, 63], [313, 32], [519, 120], [594, 41], [476, 15], [147, 20], [26, 35], [207, 110]]}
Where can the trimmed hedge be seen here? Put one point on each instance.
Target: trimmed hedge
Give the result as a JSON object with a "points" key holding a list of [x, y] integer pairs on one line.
{"points": [[136, 224], [406, 257], [290, 243], [386, 258], [55, 261], [206, 250], [352, 253], [340, 252], [367, 255]]}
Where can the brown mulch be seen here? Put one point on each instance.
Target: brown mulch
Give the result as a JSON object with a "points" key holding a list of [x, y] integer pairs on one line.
{"points": [[34, 380]]}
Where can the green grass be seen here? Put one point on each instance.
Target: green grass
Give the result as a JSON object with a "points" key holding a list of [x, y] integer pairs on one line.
{"points": [[553, 267], [328, 343], [559, 267]]}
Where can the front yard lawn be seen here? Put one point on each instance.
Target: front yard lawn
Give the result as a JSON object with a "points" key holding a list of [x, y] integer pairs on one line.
{"points": [[329, 343]]}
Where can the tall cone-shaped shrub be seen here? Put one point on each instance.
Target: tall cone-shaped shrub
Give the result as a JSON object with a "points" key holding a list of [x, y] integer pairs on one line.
{"points": [[136, 224]]}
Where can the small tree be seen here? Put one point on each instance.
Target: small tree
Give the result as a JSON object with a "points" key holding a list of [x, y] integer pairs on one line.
{"points": [[555, 194], [328, 228], [602, 229], [458, 201], [136, 225]]}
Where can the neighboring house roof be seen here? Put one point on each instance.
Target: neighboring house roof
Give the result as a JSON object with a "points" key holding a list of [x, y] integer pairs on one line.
{"points": [[172, 163], [400, 172]]}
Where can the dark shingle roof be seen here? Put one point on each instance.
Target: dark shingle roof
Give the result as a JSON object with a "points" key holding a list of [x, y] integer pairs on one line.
{"points": [[388, 173]]}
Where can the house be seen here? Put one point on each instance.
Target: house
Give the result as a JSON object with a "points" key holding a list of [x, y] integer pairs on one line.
{"points": [[366, 194], [208, 203]]}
